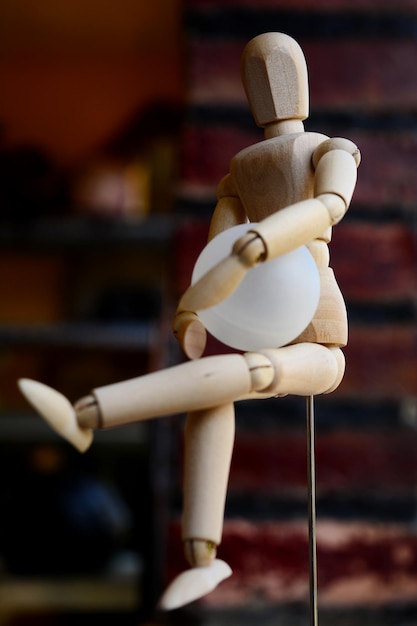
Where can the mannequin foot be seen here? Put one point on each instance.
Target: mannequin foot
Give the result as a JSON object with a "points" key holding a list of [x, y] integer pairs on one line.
{"points": [[194, 584], [57, 411]]}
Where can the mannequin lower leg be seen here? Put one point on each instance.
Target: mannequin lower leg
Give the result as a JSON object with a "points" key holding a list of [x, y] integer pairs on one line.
{"points": [[209, 439], [191, 386]]}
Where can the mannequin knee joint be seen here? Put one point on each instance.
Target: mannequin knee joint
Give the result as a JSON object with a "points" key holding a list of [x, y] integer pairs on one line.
{"points": [[261, 370]]}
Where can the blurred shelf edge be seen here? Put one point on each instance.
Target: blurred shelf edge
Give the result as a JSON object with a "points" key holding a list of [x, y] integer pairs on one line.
{"points": [[70, 230], [96, 593], [30, 428], [108, 336]]}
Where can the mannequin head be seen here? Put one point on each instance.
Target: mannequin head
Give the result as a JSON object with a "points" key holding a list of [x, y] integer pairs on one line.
{"points": [[274, 74]]}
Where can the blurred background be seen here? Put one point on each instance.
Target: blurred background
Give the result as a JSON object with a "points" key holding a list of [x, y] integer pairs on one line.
{"points": [[116, 123]]}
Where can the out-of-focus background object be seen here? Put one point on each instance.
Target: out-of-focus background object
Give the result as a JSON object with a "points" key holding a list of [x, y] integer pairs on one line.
{"points": [[90, 113]]}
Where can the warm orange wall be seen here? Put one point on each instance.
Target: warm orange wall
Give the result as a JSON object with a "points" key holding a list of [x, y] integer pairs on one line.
{"points": [[72, 72]]}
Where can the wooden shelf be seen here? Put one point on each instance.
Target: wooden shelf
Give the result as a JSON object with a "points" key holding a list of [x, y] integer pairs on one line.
{"points": [[108, 336], [70, 231], [93, 243], [17, 427]]}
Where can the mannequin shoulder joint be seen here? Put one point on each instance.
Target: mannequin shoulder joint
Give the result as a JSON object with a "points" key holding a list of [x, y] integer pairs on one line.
{"points": [[336, 143]]}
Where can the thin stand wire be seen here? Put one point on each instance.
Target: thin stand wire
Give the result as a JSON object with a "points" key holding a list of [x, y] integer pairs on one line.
{"points": [[311, 492]]}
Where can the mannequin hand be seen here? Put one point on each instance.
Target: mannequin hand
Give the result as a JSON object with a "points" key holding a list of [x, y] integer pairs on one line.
{"points": [[190, 334]]}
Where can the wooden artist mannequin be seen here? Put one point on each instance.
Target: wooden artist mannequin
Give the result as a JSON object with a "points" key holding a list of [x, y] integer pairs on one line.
{"points": [[295, 186]]}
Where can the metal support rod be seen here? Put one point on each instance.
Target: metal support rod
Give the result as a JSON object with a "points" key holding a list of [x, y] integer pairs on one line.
{"points": [[311, 492]]}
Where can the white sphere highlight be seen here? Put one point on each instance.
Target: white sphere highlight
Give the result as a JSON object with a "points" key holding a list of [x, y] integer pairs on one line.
{"points": [[273, 304]]}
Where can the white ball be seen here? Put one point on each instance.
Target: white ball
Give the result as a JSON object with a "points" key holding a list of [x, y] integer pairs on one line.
{"points": [[273, 304]]}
